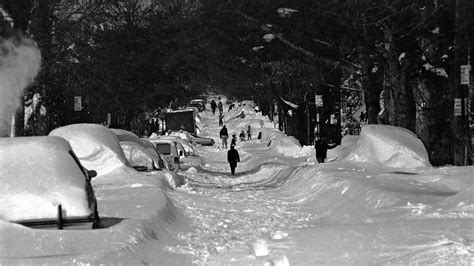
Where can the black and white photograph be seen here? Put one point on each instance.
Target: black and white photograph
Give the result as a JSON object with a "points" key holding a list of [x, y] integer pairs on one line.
{"points": [[236, 132]]}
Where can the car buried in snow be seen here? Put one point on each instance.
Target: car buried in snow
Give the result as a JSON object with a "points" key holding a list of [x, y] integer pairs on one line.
{"points": [[194, 138], [44, 185], [200, 102], [141, 155]]}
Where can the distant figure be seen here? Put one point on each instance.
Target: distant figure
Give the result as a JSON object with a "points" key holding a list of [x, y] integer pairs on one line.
{"points": [[363, 116], [221, 119], [233, 142], [213, 107], [219, 106], [241, 115], [224, 135], [242, 135], [231, 106], [259, 135], [321, 145], [233, 158], [249, 132]]}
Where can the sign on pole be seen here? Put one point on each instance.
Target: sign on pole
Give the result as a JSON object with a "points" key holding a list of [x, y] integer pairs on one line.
{"points": [[457, 106], [465, 74], [77, 103], [318, 99]]}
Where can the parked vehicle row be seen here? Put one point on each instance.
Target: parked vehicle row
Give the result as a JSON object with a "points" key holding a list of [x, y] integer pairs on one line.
{"points": [[45, 185]]}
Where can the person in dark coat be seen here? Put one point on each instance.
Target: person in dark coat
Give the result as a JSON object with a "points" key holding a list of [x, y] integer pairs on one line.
{"points": [[233, 141], [233, 158], [224, 135], [219, 106], [321, 145], [221, 119], [213, 107], [242, 135]]}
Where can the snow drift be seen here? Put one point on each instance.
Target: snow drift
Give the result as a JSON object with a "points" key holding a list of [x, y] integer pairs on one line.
{"points": [[389, 146]]}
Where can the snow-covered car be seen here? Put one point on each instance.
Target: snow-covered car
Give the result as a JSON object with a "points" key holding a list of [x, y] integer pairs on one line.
{"points": [[44, 184], [169, 149], [201, 140], [139, 154], [187, 146], [200, 102], [194, 138], [162, 162]]}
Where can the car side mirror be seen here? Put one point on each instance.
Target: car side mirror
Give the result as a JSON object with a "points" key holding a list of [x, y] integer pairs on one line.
{"points": [[91, 173]]}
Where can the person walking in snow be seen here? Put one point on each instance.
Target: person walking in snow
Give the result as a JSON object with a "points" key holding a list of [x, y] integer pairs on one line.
{"points": [[224, 135], [221, 119], [219, 106], [249, 133], [213, 107], [233, 141], [233, 158], [321, 145], [242, 135]]}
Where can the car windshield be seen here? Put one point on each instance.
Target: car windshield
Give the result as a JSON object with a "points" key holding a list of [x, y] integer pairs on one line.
{"points": [[163, 148]]}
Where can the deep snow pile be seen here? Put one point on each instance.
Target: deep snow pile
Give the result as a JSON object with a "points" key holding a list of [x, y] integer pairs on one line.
{"points": [[389, 146]]}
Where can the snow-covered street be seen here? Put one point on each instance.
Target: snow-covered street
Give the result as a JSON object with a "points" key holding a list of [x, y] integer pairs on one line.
{"points": [[376, 201]]}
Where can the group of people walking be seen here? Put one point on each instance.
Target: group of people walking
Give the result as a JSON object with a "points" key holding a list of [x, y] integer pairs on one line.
{"points": [[321, 144], [233, 155]]}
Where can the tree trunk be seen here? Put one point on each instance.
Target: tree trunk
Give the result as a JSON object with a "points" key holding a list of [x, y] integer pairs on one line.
{"points": [[400, 105], [371, 88]]}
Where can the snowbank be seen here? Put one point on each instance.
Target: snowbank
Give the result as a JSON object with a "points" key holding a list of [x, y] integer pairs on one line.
{"points": [[287, 146], [37, 174], [389, 146], [95, 145]]}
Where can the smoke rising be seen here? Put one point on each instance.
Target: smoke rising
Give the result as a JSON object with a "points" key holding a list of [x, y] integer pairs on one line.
{"points": [[20, 61]]}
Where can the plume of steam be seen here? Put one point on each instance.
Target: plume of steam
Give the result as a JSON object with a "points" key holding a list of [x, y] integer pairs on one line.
{"points": [[20, 61]]}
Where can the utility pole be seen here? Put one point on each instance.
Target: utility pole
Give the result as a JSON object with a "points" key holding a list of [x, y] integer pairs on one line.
{"points": [[460, 122]]}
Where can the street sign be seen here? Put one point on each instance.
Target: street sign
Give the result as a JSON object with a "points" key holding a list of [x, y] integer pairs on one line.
{"points": [[318, 99], [77, 103], [457, 106], [465, 74]]}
